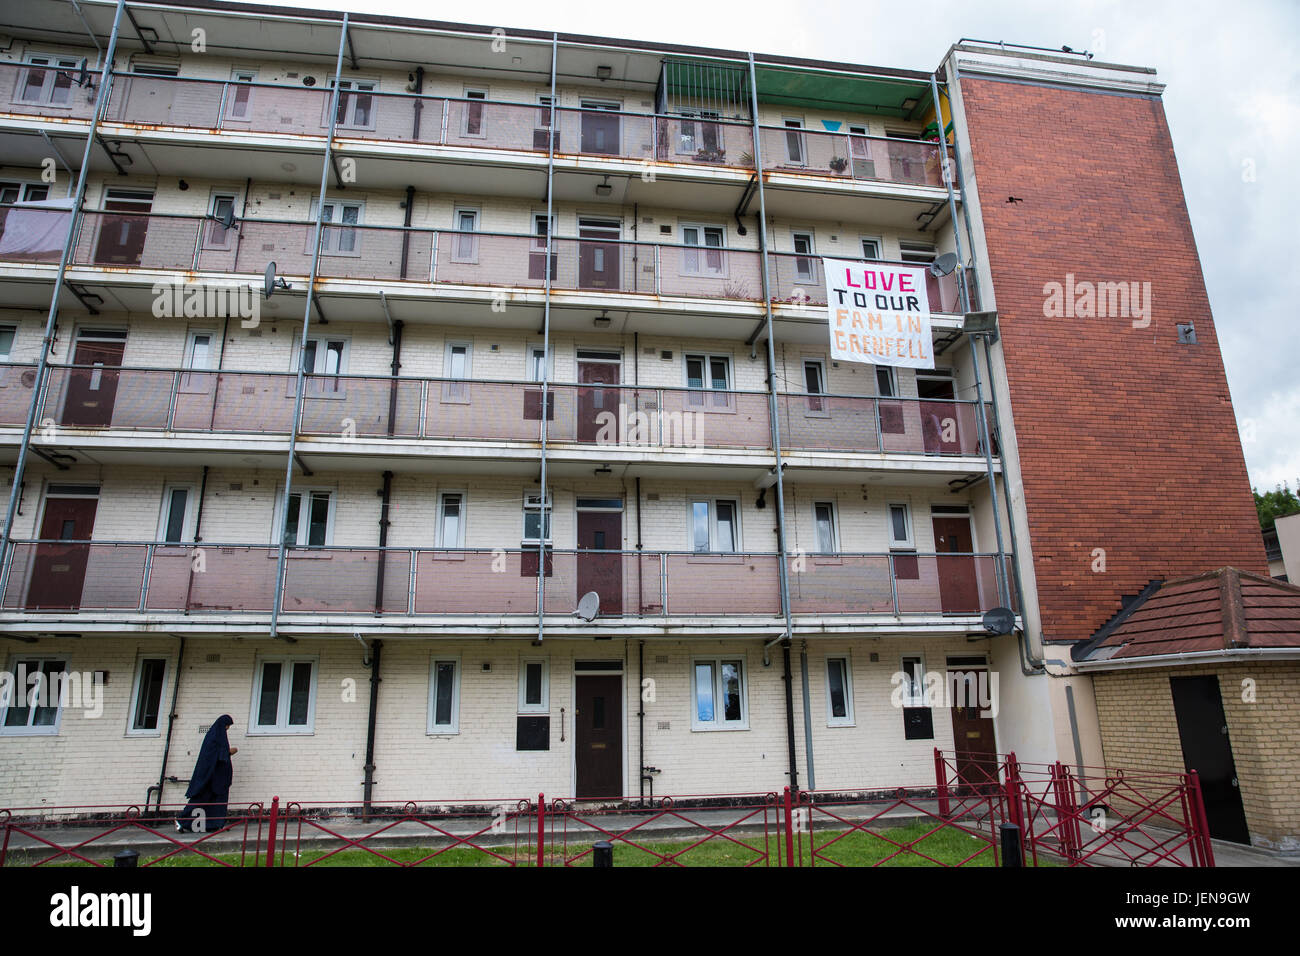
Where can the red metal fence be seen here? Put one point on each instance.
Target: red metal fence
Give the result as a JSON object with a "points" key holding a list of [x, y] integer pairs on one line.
{"points": [[1064, 816]]}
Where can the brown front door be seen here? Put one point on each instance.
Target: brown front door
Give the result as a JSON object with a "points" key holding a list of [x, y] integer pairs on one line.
{"points": [[58, 569], [598, 265], [940, 425], [600, 130], [598, 735], [600, 569], [92, 390], [974, 742], [958, 590], [121, 237], [594, 401]]}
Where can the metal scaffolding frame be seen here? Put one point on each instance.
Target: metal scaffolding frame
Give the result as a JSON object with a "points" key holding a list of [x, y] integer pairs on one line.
{"points": [[544, 509]]}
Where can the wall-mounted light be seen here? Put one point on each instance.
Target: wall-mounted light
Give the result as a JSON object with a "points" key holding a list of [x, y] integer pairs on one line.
{"points": [[604, 72], [604, 471], [909, 104], [601, 321], [604, 189]]}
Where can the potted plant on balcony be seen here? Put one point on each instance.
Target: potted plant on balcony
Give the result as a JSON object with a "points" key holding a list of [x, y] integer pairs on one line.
{"points": [[710, 154], [839, 164]]}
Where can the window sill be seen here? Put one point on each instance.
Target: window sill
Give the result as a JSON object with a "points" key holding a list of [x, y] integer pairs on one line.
{"points": [[442, 733], [279, 732], [711, 728], [29, 732], [835, 724], [449, 556], [715, 557]]}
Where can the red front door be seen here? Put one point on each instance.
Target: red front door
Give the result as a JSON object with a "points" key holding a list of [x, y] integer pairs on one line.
{"points": [[598, 736], [122, 231], [59, 569], [595, 402], [958, 591], [92, 389], [940, 425], [600, 568], [974, 740], [598, 265]]}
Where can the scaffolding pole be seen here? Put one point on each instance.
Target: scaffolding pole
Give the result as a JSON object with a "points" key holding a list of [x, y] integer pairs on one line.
{"points": [[326, 160], [74, 218], [544, 514]]}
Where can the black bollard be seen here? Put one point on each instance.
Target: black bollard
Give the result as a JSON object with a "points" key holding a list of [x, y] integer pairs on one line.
{"points": [[603, 855], [1012, 852], [126, 858]]}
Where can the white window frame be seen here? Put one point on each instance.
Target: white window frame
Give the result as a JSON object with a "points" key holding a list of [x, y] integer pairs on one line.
{"points": [[282, 727], [235, 82], [531, 372], [348, 101], [690, 139], [791, 124], [212, 226], [546, 523], [320, 382], [472, 94], [712, 504], [702, 248], [442, 542], [810, 256], [545, 706], [54, 62], [7, 353], [816, 401], [213, 343], [835, 526], [305, 491], [461, 236], [164, 512], [332, 233], [20, 693], [879, 244], [914, 695], [137, 686], [719, 723], [696, 397], [455, 388], [892, 375], [847, 720], [25, 188], [910, 541], [453, 727]]}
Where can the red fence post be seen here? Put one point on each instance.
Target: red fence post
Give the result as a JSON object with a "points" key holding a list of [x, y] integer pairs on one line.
{"points": [[789, 831], [1013, 791], [270, 832], [541, 829], [941, 782], [1202, 822]]}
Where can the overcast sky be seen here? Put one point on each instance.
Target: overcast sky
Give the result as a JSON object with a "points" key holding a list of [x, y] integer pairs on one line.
{"points": [[1233, 101]]}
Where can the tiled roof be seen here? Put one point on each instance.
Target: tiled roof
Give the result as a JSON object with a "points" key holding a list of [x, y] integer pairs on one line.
{"points": [[1221, 610]]}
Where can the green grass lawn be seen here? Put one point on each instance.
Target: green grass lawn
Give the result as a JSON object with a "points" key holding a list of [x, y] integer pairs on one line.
{"points": [[858, 848]]}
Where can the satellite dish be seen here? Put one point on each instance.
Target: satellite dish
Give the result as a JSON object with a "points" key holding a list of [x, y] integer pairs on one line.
{"points": [[270, 283], [83, 77], [944, 265], [1000, 620], [227, 218], [589, 606]]}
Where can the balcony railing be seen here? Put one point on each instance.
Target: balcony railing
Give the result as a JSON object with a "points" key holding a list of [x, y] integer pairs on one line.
{"points": [[436, 409], [144, 577], [477, 124], [156, 241]]}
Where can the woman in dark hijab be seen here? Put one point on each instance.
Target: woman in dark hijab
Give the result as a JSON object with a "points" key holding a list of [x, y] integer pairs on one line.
{"points": [[209, 789]]}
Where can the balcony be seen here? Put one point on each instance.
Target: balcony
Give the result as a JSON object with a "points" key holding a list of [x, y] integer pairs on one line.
{"points": [[435, 259], [118, 404], [178, 113], [229, 581]]}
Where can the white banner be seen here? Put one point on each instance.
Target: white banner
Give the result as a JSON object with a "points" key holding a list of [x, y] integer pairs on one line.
{"points": [[879, 313]]}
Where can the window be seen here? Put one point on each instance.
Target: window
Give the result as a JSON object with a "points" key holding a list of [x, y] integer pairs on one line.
{"points": [[311, 518], [7, 333], [200, 355], [356, 104], [323, 361], [805, 267], [146, 698], [48, 80], [919, 252], [451, 520], [711, 240], [537, 521], [534, 686], [839, 692], [794, 141], [464, 244], [176, 522], [824, 519], [537, 250], [342, 239], [473, 125], [216, 235], [913, 686], [886, 381], [284, 696], [239, 95], [444, 696], [537, 364], [712, 374], [23, 192], [715, 526], [719, 695], [871, 249], [697, 137], [155, 69], [34, 703], [459, 361], [901, 545], [864, 166], [814, 383]]}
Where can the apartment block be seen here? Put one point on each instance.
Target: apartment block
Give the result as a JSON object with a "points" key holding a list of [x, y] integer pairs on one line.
{"points": [[491, 372]]}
